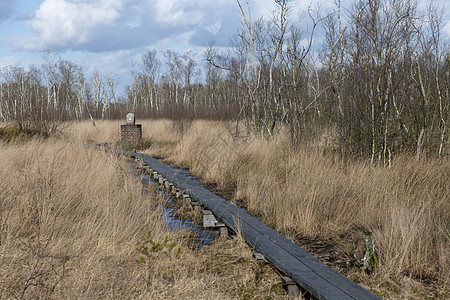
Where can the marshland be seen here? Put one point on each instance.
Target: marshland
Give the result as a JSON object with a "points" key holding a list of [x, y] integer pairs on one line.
{"points": [[325, 145]]}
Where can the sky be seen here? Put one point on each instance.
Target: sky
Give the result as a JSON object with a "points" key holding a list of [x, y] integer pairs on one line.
{"points": [[111, 35]]}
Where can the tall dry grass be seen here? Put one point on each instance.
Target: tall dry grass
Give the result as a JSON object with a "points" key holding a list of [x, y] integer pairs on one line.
{"points": [[313, 195], [82, 204], [70, 218]]}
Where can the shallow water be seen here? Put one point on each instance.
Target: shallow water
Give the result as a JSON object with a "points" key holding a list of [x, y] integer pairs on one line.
{"points": [[204, 237]]}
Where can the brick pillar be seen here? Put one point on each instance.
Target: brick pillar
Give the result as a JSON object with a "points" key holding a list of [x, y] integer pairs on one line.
{"points": [[131, 133]]}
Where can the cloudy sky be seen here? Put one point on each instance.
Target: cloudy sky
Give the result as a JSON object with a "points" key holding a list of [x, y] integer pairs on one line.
{"points": [[107, 35]]}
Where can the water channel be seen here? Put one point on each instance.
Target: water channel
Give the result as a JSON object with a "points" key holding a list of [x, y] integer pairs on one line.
{"points": [[203, 237]]}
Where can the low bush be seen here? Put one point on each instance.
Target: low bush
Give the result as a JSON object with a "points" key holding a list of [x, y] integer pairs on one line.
{"points": [[12, 134]]}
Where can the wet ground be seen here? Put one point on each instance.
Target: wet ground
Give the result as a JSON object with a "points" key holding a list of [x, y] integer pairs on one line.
{"points": [[173, 219], [326, 251]]}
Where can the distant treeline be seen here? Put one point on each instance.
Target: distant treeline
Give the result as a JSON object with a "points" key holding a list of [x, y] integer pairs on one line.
{"points": [[378, 85], [38, 99]]}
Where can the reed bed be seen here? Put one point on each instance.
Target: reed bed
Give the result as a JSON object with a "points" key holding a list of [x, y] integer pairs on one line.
{"points": [[72, 218], [97, 212], [309, 193]]}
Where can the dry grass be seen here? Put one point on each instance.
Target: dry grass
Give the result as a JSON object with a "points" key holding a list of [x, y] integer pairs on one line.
{"points": [[99, 212], [311, 195], [76, 214]]}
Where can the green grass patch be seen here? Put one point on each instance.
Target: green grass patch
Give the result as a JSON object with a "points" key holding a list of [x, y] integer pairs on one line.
{"points": [[13, 135]]}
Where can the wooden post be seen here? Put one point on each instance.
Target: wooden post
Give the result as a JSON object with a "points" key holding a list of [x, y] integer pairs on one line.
{"points": [[291, 286], [223, 230], [196, 205], [166, 184], [210, 221], [187, 199], [258, 256]]}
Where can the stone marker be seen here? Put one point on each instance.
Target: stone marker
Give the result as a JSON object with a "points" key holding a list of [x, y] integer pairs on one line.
{"points": [[223, 230], [130, 119], [130, 132]]}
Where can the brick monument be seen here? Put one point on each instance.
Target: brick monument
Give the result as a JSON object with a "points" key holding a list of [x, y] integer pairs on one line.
{"points": [[130, 132]]}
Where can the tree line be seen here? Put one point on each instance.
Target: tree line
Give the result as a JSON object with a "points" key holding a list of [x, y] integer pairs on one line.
{"points": [[378, 84], [38, 99], [373, 78]]}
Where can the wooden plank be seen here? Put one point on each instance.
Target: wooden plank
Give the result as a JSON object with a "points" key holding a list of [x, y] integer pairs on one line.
{"points": [[306, 270]]}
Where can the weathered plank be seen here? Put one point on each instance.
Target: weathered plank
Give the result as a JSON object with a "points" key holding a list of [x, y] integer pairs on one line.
{"points": [[306, 270]]}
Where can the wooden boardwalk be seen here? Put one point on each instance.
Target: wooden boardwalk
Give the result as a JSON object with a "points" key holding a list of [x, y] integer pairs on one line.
{"points": [[306, 270]]}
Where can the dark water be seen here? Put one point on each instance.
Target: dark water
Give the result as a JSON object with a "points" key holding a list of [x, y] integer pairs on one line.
{"points": [[204, 237]]}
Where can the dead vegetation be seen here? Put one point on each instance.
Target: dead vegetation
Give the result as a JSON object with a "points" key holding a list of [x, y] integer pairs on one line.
{"points": [[70, 221], [76, 214], [309, 195]]}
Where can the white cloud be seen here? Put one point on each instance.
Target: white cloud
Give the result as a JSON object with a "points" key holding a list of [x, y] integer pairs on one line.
{"points": [[106, 25], [61, 23], [117, 62], [215, 27], [194, 12], [178, 42], [8, 61]]}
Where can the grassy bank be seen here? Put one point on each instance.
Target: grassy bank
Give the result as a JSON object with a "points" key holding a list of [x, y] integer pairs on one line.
{"points": [[312, 196], [72, 218]]}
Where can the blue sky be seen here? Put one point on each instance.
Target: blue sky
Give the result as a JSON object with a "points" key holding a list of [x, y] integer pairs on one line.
{"points": [[108, 35]]}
